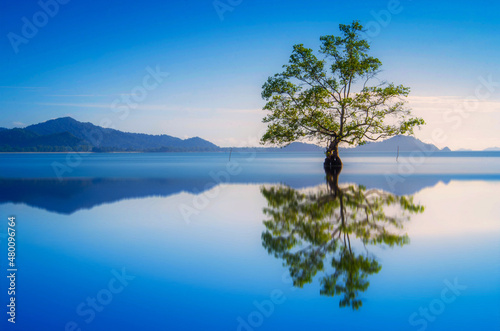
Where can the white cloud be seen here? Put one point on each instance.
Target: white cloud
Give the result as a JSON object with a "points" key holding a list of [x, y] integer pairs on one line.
{"points": [[464, 123]]}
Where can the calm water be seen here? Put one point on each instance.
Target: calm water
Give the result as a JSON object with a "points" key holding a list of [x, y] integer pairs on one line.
{"points": [[264, 242]]}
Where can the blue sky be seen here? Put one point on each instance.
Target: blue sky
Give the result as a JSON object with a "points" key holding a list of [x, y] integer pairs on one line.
{"points": [[89, 55]]}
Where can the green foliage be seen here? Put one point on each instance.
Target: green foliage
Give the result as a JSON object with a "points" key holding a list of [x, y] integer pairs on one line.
{"points": [[306, 229], [314, 98]]}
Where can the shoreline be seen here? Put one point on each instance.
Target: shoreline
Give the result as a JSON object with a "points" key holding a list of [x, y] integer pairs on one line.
{"points": [[68, 152], [251, 148]]}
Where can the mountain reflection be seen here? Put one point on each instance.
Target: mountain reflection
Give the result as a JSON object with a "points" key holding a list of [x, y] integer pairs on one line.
{"points": [[71, 195], [333, 225]]}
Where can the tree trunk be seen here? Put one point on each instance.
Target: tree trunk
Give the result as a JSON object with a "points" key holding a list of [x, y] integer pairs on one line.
{"points": [[332, 160]]}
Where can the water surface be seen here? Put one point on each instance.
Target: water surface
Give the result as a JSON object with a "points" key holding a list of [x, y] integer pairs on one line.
{"points": [[201, 243]]}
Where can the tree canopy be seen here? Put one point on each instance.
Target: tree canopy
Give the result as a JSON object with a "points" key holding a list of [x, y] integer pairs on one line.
{"points": [[327, 98]]}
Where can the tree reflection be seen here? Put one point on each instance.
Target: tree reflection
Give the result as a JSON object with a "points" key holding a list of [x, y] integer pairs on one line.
{"points": [[307, 228]]}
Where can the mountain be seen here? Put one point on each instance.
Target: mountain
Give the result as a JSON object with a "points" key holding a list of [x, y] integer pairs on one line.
{"points": [[1, 129], [405, 144], [105, 139], [492, 149], [197, 142], [15, 140], [67, 134], [302, 147]]}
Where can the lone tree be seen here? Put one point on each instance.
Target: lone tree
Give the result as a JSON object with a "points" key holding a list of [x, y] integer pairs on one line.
{"points": [[316, 99]]}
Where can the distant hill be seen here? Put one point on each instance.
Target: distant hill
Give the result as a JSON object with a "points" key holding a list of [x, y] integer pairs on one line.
{"points": [[492, 149], [67, 133], [110, 139], [1, 129], [302, 147], [405, 144], [15, 140]]}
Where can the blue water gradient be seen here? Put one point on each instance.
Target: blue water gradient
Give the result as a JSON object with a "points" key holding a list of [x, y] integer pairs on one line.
{"points": [[115, 222]]}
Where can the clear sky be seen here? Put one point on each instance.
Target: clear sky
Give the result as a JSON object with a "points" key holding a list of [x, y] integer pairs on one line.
{"points": [[85, 59]]}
